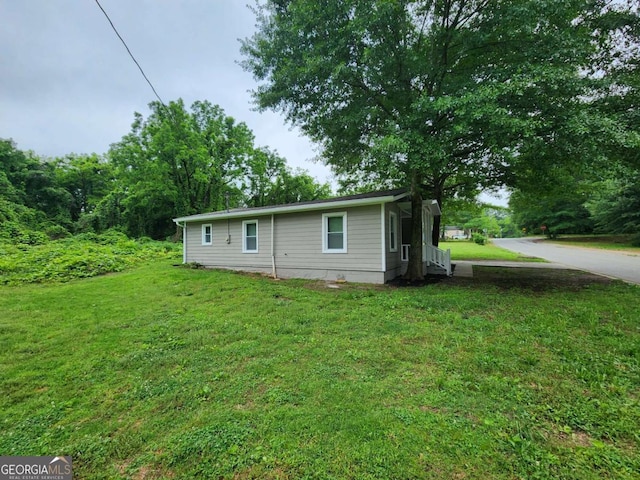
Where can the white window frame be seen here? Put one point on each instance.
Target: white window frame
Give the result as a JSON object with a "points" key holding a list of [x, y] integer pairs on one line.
{"points": [[393, 232], [325, 232], [244, 236], [204, 234]]}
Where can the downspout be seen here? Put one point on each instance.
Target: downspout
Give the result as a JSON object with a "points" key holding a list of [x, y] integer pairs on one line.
{"points": [[273, 250]]}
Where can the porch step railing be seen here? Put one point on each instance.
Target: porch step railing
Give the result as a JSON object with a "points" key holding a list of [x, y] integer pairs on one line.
{"points": [[435, 256], [439, 257]]}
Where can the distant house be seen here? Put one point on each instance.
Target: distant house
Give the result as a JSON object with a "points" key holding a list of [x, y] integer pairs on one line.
{"points": [[357, 238], [454, 232]]}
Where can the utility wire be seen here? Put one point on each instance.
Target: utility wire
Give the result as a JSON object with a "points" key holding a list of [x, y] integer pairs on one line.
{"points": [[131, 54]]}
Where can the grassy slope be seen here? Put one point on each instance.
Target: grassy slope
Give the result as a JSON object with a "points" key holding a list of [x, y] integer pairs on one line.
{"points": [[167, 372], [466, 250]]}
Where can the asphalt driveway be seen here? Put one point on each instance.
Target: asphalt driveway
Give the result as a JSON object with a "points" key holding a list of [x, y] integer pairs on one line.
{"points": [[624, 266]]}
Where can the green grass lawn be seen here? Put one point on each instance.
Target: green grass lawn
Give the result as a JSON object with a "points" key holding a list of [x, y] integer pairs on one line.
{"points": [[166, 372], [607, 242], [467, 250]]}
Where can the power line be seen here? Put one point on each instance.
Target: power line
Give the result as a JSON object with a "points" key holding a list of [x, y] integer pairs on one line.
{"points": [[131, 54]]}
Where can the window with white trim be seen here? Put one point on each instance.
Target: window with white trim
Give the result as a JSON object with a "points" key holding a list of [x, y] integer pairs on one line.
{"points": [[393, 232], [250, 236], [207, 234], [334, 232]]}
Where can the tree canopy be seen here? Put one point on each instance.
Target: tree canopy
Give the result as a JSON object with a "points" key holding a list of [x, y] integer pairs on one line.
{"points": [[174, 162]]}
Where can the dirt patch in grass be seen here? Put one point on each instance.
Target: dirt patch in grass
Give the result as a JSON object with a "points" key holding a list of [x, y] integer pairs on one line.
{"points": [[428, 280], [535, 279], [516, 278]]}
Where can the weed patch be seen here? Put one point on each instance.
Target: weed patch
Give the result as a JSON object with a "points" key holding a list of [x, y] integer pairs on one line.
{"points": [[82, 256]]}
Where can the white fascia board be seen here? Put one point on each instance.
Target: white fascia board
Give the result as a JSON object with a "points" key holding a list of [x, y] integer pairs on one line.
{"points": [[431, 205], [254, 212], [434, 208]]}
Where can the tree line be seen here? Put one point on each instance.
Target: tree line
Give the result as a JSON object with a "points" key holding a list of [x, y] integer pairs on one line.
{"points": [[608, 203], [174, 162]]}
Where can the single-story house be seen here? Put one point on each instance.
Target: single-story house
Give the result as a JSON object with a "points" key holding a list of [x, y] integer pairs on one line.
{"points": [[358, 238]]}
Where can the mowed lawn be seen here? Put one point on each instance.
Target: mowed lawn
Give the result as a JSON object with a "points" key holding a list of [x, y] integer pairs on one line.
{"points": [[468, 250], [166, 372]]}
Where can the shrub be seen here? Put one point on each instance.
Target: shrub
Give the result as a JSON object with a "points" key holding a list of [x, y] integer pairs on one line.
{"points": [[113, 237], [479, 239], [56, 232]]}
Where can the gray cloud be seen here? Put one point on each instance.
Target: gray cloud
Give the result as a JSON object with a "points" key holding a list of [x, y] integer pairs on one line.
{"points": [[68, 85]]}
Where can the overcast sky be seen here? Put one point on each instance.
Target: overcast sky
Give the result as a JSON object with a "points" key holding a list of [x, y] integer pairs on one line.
{"points": [[67, 84]]}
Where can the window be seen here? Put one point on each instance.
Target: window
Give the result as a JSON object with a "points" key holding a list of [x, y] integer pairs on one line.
{"points": [[334, 232], [393, 232], [250, 236], [207, 236]]}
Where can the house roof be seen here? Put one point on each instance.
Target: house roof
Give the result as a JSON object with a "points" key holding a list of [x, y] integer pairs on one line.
{"points": [[371, 198]]}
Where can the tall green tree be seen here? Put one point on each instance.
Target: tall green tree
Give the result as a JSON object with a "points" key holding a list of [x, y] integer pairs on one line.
{"points": [[87, 178], [298, 186], [444, 96], [28, 180], [618, 63], [269, 181], [18, 222], [559, 213], [616, 205], [179, 162], [14, 165]]}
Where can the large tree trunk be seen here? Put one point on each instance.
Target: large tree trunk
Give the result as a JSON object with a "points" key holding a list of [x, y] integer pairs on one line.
{"points": [[414, 268]]}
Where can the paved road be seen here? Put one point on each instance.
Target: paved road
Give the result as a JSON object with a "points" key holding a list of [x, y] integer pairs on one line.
{"points": [[624, 266]]}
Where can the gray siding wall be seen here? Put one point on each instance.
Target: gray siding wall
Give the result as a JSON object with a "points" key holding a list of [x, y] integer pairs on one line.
{"points": [[298, 241], [298, 246], [223, 254]]}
